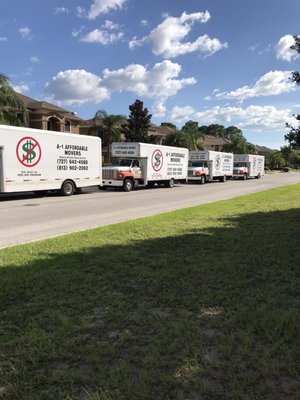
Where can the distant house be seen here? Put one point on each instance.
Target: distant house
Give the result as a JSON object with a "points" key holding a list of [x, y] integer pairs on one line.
{"points": [[47, 116], [263, 150], [214, 143]]}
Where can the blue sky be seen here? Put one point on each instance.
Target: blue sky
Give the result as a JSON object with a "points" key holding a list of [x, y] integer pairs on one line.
{"points": [[210, 61]]}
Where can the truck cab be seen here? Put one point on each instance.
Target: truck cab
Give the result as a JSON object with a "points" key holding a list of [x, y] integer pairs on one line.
{"points": [[124, 172], [240, 170], [198, 170]]}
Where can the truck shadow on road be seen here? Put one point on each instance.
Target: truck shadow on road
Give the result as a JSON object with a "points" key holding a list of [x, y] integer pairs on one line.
{"points": [[209, 313]]}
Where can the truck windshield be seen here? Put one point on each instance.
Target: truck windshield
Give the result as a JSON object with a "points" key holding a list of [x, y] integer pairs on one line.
{"points": [[122, 162], [240, 164], [201, 164]]}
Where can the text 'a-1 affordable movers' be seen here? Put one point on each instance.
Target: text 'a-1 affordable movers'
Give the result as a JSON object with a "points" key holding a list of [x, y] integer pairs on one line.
{"points": [[39, 161]]}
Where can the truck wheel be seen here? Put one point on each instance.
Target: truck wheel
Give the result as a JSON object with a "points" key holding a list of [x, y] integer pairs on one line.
{"points": [[258, 176], [128, 185], [170, 183], [67, 188], [202, 180]]}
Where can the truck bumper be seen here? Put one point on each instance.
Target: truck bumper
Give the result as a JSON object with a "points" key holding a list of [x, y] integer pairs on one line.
{"points": [[112, 182]]}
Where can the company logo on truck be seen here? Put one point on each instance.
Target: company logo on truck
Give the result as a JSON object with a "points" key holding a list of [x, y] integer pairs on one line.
{"points": [[157, 160], [218, 162], [29, 151]]}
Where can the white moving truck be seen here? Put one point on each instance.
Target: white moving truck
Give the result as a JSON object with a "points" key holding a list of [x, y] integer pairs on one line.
{"points": [[209, 165], [248, 166], [37, 160], [145, 164]]}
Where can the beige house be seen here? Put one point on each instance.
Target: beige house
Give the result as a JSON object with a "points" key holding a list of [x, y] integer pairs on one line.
{"points": [[47, 116], [214, 143]]}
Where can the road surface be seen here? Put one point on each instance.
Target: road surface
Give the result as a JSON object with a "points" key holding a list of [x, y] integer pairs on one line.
{"points": [[26, 218]]}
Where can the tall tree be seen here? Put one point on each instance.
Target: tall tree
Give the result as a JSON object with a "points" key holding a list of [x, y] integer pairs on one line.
{"points": [[213, 130], [293, 137], [12, 110], [296, 46], [275, 160], [138, 123], [108, 127], [239, 145], [188, 136], [231, 131], [193, 135]]}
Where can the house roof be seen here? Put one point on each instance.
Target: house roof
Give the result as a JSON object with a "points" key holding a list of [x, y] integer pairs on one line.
{"points": [[263, 149], [211, 140], [35, 105]]}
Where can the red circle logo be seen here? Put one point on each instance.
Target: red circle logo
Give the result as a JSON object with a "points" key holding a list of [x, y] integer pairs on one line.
{"points": [[29, 151], [157, 160]]}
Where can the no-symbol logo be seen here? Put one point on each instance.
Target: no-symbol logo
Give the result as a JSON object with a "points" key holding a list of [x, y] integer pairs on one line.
{"points": [[157, 160], [218, 162], [29, 151]]}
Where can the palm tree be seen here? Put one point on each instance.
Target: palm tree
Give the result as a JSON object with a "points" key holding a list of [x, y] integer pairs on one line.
{"points": [[12, 110], [190, 136], [109, 127], [239, 145]]}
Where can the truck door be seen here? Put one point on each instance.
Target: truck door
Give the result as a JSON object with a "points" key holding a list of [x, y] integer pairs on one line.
{"points": [[136, 169]]}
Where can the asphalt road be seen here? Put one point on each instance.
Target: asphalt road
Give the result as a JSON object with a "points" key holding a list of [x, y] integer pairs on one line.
{"points": [[26, 218]]}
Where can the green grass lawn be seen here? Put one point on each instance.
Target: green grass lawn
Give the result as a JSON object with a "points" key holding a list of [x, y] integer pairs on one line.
{"points": [[201, 303]]}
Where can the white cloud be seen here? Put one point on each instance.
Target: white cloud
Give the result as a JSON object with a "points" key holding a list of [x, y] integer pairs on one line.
{"points": [[3, 39], [61, 10], [76, 87], [144, 22], [76, 33], [102, 37], [252, 118], [34, 59], [110, 25], [159, 83], [284, 51], [180, 114], [100, 7], [159, 109], [25, 32], [22, 88], [271, 84], [166, 39]]}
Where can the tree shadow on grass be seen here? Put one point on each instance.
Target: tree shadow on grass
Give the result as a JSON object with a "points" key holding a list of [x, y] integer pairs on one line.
{"points": [[208, 314]]}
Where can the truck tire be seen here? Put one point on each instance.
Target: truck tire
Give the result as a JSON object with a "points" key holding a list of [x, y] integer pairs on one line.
{"points": [[128, 185], [67, 188], [202, 180], [170, 183], [258, 176]]}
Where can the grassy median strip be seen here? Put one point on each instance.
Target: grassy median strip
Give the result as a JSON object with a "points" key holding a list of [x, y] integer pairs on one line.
{"points": [[200, 303]]}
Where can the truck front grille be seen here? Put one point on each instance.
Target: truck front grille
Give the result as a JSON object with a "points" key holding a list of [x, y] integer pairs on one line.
{"points": [[109, 174]]}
